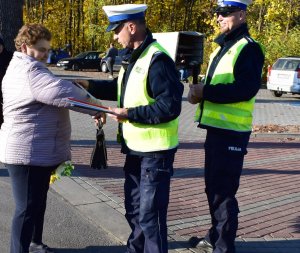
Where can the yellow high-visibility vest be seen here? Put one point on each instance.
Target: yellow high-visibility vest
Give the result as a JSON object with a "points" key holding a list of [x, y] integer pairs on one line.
{"points": [[233, 116], [145, 137]]}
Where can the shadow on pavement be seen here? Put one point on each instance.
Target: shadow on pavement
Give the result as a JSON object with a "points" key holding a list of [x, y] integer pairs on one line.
{"points": [[274, 245], [253, 246], [75, 143], [198, 145], [112, 172], [3, 171], [277, 101], [93, 249], [253, 171], [274, 145], [117, 172], [114, 144], [296, 226]]}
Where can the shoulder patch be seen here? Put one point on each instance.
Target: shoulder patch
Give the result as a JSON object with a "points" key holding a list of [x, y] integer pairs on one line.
{"points": [[155, 55]]}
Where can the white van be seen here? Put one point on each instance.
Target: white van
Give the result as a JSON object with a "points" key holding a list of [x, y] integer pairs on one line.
{"points": [[186, 44], [284, 76]]}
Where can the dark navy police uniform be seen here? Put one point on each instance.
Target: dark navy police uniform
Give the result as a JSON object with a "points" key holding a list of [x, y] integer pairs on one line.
{"points": [[225, 149], [147, 174]]}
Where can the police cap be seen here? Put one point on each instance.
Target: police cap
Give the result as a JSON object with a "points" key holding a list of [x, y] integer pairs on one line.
{"points": [[118, 14], [226, 6]]}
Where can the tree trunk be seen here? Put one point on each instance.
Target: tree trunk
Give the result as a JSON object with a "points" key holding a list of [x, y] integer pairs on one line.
{"points": [[260, 17], [43, 11], [11, 20], [81, 46], [289, 17], [70, 30]]}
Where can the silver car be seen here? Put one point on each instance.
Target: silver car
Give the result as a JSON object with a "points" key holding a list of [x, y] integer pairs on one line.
{"points": [[284, 76]]}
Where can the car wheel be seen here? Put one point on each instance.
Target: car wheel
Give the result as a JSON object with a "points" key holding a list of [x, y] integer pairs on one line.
{"points": [[104, 68], [277, 93], [75, 67]]}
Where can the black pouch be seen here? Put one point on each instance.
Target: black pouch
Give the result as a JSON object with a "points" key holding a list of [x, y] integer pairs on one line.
{"points": [[99, 154]]}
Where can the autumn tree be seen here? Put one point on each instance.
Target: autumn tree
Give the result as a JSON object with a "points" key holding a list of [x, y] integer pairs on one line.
{"points": [[82, 23]]}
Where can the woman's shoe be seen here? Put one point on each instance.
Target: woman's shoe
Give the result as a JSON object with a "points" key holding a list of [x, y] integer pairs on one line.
{"points": [[39, 248]]}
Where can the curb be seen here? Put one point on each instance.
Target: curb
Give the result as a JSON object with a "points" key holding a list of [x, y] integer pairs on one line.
{"points": [[92, 207], [102, 209], [275, 135]]}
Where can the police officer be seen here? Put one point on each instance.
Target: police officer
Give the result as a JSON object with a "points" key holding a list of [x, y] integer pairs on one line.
{"points": [[226, 102], [149, 96], [5, 57]]}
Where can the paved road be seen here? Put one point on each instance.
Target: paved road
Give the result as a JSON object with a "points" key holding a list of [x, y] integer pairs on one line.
{"points": [[269, 110], [284, 111], [66, 229]]}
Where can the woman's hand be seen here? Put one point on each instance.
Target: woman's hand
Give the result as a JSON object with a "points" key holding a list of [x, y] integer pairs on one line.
{"points": [[100, 117]]}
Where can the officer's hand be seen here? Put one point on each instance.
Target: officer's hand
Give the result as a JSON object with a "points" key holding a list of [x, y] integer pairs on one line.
{"points": [[121, 114], [195, 93]]}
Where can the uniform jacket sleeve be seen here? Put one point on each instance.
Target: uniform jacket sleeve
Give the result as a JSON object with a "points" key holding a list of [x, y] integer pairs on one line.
{"points": [[104, 89], [247, 73]]}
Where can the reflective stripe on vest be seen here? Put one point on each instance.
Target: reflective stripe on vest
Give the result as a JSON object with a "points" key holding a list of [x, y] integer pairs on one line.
{"points": [[233, 116], [145, 137]]}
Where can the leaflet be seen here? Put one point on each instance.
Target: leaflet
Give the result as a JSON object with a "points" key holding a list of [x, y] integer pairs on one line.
{"points": [[89, 106]]}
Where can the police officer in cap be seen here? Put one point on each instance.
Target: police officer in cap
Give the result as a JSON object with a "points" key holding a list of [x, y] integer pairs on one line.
{"points": [[226, 102], [149, 96]]}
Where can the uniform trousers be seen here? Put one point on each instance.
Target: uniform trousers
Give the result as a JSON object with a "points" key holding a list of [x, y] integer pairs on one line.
{"points": [[224, 157], [30, 185], [110, 65], [147, 189]]}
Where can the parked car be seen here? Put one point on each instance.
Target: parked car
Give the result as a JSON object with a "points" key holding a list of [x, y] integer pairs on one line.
{"points": [[85, 60], [284, 76], [104, 64], [55, 55]]}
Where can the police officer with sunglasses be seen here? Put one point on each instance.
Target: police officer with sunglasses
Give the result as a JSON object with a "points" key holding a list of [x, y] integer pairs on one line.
{"points": [[226, 102]]}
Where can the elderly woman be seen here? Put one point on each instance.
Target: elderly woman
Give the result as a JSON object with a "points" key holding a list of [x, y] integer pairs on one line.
{"points": [[35, 135]]}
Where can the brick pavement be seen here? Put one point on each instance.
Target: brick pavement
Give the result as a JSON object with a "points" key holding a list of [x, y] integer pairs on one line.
{"points": [[268, 196]]}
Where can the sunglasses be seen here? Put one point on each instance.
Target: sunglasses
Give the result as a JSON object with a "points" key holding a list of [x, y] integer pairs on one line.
{"points": [[225, 14]]}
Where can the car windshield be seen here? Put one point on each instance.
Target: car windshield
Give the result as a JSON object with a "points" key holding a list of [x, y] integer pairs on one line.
{"points": [[287, 64], [81, 55]]}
